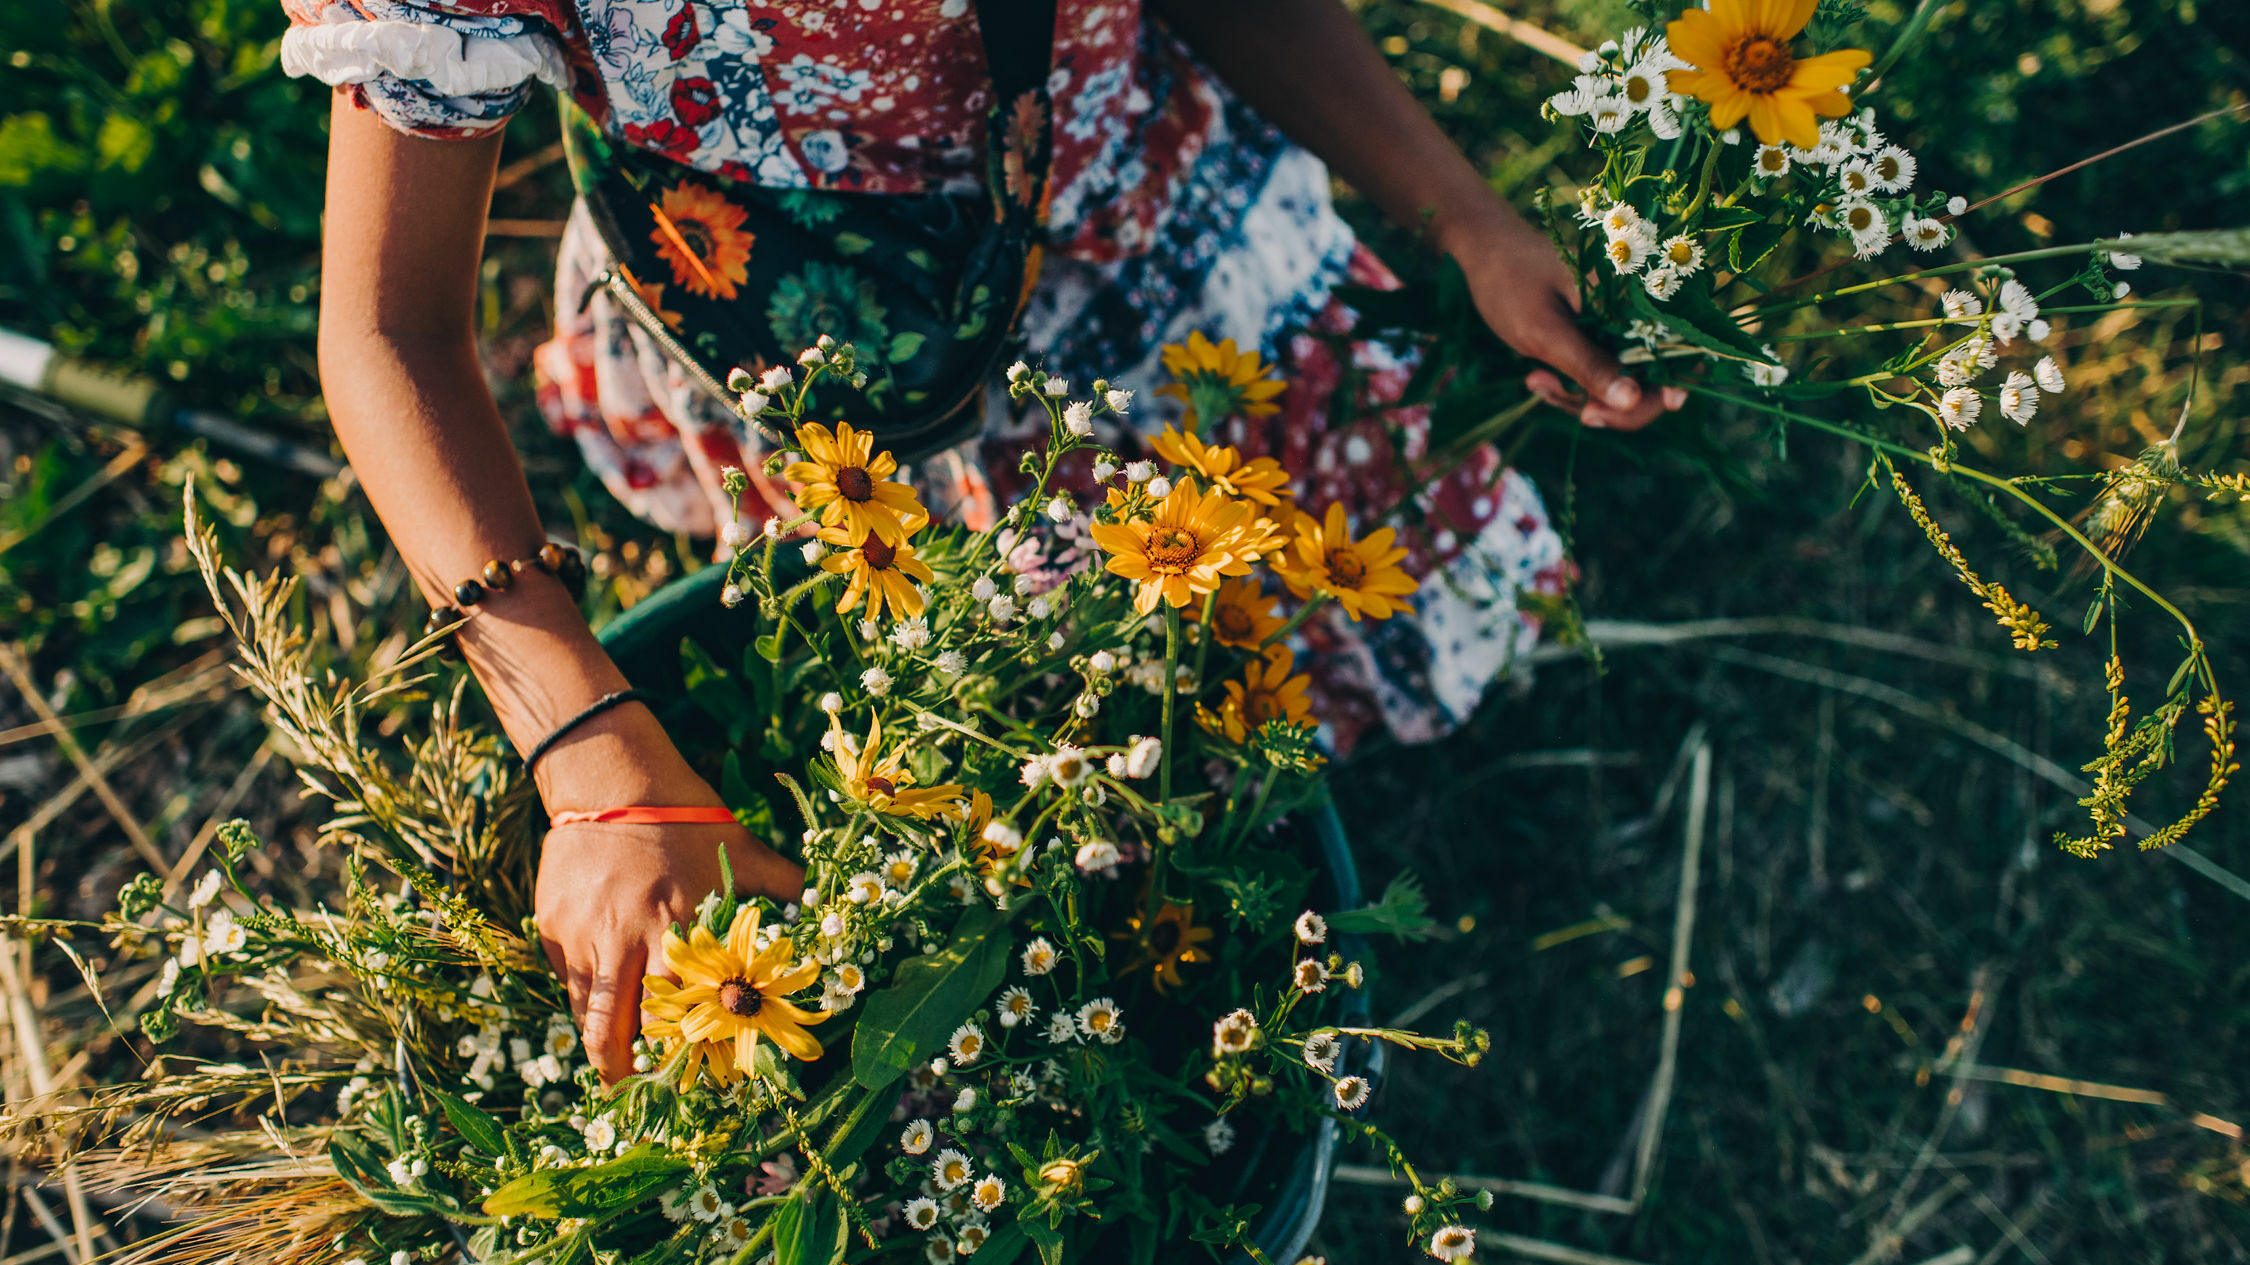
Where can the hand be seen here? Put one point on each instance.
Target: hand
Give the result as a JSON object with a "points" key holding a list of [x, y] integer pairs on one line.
{"points": [[1527, 295], [606, 894]]}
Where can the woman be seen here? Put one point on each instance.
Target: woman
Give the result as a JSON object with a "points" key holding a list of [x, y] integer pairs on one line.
{"points": [[1176, 206]]}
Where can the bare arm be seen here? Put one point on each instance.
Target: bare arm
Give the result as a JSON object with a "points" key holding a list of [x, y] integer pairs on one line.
{"points": [[403, 236], [1309, 67]]}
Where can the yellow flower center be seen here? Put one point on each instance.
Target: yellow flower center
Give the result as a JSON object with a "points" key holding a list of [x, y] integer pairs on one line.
{"points": [[1886, 168], [740, 997], [855, 484], [1621, 250], [1680, 253], [1639, 88], [1346, 567], [1759, 63], [1173, 549]]}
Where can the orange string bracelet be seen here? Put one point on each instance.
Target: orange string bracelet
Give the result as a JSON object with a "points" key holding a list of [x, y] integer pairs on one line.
{"points": [[646, 815]]}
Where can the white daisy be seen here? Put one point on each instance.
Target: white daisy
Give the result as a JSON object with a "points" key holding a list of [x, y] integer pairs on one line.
{"points": [[1957, 368], [921, 1212], [1762, 374], [1926, 235], [1102, 1019], [1643, 85], [1351, 1092], [705, 1205], [951, 1169], [1960, 305], [1661, 283], [973, 1234], [1620, 218], [1857, 177], [917, 1139], [1069, 766], [2049, 375], [2037, 331], [875, 681], [1959, 407], [1627, 251], [899, 869], [988, 1192], [1309, 975], [1321, 1049], [1682, 254], [1664, 119], [2017, 301], [1609, 115], [1770, 161], [206, 888], [937, 1250], [2005, 326], [2019, 398], [1038, 957], [1311, 928], [2123, 262], [1234, 1033], [912, 634], [1894, 169], [1861, 219], [1061, 1030], [864, 888], [1956, 205], [1016, 1007], [968, 1044], [1218, 1136], [1453, 1243], [1098, 856]]}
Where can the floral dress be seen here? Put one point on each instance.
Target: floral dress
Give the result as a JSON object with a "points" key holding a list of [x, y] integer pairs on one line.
{"points": [[1175, 209]]}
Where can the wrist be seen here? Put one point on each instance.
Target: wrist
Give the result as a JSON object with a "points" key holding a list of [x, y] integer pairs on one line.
{"points": [[1477, 230]]}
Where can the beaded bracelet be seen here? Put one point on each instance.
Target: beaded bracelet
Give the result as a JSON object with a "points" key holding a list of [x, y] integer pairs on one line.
{"points": [[561, 561]]}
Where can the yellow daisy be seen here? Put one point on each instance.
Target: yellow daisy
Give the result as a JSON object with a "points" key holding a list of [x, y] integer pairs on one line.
{"points": [[881, 573], [1363, 576], [1266, 692], [852, 488], [1242, 615], [730, 993], [1260, 479], [881, 782], [1172, 939], [1181, 551], [1214, 380], [1742, 64]]}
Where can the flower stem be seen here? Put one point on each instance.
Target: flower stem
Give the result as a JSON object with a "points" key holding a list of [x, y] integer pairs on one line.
{"points": [[1296, 621], [1171, 692]]}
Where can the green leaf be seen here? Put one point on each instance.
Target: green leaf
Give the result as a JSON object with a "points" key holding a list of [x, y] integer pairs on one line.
{"points": [[357, 1164], [849, 244], [1048, 1238], [1007, 1243], [906, 346], [1404, 911], [473, 1123], [1721, 218], [928, 997], [810, 1230], [1696, 319], [580, 1192], [769, 646], [1749, 248], [868, 1119]]}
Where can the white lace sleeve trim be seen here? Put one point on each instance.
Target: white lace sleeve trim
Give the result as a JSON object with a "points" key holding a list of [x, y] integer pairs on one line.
{"points": [[453, 64]]}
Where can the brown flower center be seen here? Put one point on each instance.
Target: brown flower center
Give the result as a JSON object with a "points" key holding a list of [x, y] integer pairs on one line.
{"points": [[855, 483], [881, 786], [879, 556], [739, 997], [1173, 549], [1759, 63], [1164, 937], [1232, 623], [1346, 567], [1261, 706]]}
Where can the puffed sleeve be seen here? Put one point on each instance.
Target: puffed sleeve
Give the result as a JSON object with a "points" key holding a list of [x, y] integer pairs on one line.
{"points": [[435, 69]]}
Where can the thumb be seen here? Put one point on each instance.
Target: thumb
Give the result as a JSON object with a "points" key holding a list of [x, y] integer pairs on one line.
{"points": [[1595, 370]]}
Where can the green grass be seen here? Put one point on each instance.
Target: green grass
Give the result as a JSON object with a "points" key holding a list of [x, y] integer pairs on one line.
{"points": [[1879, 904]]}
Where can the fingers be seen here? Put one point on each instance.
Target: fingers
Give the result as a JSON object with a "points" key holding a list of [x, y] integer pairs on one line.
{"points": [[612, 1010], [761, 871]]}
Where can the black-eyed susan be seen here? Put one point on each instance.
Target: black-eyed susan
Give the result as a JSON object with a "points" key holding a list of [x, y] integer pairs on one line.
{"points": [[1182, 550], [700, 234], [1243, 614], [1741, 63], [1166, 942], [881, 573], [883, 782], [850, 484], [1363, 575], [731, 993], [1260, 479], [1268, 690], [1214, 380]]}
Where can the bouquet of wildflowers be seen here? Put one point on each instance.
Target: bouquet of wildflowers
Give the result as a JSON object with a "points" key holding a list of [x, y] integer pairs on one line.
{"points": [[1061, 983], [1723, 132]]}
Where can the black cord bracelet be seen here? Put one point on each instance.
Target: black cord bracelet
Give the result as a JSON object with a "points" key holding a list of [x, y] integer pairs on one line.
{"points": [[593, 709]]}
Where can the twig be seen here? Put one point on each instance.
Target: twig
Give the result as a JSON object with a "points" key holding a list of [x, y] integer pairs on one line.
{"points": [[1675, 992], [219, 814], [1542, 1250], [34, 1051], [68, 501], [1630, 634], [11, 662], [1532, 37], [1369, 1175], [1438, 996], [1889, 1240]]}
